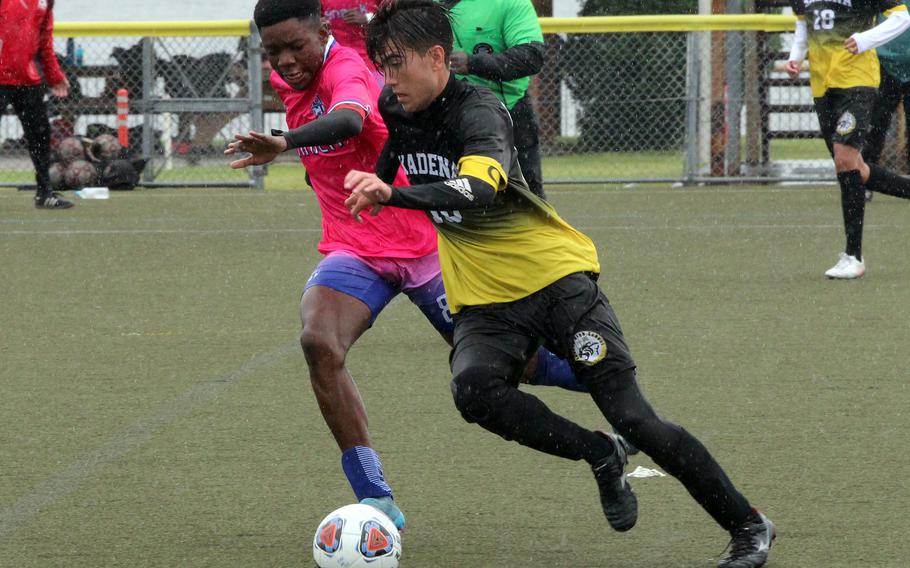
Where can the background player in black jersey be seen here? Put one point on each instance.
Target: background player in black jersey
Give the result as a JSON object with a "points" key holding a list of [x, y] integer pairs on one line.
{"points": [[517, 276], [844, 76]]}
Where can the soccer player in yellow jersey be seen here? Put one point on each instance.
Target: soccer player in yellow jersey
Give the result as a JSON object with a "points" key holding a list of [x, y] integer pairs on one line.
{"points": [[518, 276], [844, 75]]}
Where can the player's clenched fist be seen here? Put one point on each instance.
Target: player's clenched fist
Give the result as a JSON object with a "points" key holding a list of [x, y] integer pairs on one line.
{"points": [[792, 69], [367, 190]]}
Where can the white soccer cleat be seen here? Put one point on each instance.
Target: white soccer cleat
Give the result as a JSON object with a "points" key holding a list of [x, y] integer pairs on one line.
{"points": [[847, 267]]}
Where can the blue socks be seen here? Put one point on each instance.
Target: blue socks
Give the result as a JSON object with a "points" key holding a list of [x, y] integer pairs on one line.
{"points": [[555, 372], [364, 471]]}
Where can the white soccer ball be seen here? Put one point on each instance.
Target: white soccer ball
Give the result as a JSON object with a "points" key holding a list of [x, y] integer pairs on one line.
{"points": [[357, 536]]}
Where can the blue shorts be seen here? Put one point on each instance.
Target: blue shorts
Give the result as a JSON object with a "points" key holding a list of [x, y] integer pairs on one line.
{"points": [[419, 279]]}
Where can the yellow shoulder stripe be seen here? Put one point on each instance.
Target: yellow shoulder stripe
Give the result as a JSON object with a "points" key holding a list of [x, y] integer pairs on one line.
{"points": [[901, 8], [485, 169]]}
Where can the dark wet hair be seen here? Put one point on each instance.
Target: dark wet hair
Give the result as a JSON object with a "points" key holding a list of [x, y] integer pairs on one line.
{"points": [[271, 12], [408, 24]]}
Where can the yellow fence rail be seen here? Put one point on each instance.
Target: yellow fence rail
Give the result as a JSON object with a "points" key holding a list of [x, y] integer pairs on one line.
{"points": [[621, 24], [588, 25], [153, 29]]}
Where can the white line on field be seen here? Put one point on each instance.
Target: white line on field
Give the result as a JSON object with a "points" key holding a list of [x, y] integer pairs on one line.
{"points": [[68, 480], [605, 227], [728, 227], [142, 194], [623, 190], [154, 231]]}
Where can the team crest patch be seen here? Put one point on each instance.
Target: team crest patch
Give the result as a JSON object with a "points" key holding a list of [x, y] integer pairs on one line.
{"points": [[846, 123], [589, 348], [318, 107]]}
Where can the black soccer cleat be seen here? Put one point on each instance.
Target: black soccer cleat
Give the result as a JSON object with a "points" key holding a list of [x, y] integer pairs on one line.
{"points": [[750, 544], [53, 201], [616, 497]]}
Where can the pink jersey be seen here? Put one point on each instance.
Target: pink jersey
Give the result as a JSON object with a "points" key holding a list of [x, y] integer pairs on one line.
{"points": [[349, 35], [345, 82]]}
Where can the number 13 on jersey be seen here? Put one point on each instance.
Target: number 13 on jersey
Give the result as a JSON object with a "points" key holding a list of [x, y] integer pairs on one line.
{"points": [[440, 217]]}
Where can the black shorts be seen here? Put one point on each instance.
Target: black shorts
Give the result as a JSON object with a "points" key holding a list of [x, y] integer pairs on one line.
{"points": [[845, 116], [571, 317]]}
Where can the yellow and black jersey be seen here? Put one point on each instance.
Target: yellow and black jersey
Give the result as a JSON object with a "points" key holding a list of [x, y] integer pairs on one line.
{"points": [[829, 23], [514, 245]]}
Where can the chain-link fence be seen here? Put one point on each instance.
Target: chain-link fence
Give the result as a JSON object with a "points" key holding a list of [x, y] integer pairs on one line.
{"points": [[617, 105], [620, 99], [612, 106], [190, 87]]}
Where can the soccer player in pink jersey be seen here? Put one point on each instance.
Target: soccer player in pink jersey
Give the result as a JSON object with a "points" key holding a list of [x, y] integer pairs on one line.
{"points": [[330, 99]]}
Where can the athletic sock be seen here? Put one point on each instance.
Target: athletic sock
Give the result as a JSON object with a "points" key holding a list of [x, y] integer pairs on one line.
{"points": [[556, 372], [755, 517], [853, 207], [887, 182], [364, 471]]}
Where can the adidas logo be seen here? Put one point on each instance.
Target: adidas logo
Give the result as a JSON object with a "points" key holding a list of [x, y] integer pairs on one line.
{"points": [[462, 186]]}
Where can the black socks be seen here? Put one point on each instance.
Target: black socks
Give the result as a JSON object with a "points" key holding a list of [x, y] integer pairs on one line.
{"points": [[853, 206]]}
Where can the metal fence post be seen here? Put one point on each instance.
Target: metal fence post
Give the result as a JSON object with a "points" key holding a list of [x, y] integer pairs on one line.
{"points": [[734, 75], [703, 53], [257, 123], [734, 72], [148, 88], [692, 80]]}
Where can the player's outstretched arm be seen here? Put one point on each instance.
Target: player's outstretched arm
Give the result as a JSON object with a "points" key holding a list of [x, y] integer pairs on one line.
{"points": [[334, 127], [463, 192], [897, 22], [262, 149]]}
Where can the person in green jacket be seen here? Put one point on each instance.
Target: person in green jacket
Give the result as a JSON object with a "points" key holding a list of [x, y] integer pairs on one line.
{"points": [[499, 45], [894, 57]]}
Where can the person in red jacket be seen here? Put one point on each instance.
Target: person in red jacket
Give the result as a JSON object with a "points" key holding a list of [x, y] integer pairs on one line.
{"points": [[26, 34]]}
